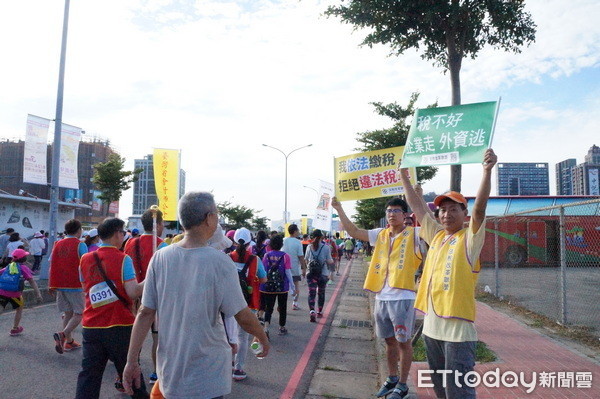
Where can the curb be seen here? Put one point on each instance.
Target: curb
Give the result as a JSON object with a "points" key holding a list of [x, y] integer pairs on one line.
{"points": [[347, 367], [29, 297]]}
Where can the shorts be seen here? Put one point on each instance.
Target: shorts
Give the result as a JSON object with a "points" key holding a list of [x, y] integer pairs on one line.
{"points": [[70, 301], [296, 278], [395, 319], [16, 303], [331, 267]]}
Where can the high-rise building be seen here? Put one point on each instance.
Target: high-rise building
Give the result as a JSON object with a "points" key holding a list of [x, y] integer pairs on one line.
{"points": [[520, 178], [144, 191], [91, 151], [586, 176], [564, 180], [593, 155]]}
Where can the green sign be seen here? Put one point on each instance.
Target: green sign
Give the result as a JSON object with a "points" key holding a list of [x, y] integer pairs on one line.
{"points": [[450, 135]]}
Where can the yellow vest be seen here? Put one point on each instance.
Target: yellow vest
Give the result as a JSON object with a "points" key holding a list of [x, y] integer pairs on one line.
{"points": [[398, 264], [449, 277]]}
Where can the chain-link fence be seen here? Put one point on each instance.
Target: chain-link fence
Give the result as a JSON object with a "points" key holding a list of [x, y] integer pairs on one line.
{"points": [[548, 261]]}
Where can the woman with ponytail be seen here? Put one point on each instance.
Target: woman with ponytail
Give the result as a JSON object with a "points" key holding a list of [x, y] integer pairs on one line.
{"points": [[318, 256], [254, 274]]}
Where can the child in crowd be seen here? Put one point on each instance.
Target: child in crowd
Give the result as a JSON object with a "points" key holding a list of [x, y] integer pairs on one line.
{"points": [[12, 284]]}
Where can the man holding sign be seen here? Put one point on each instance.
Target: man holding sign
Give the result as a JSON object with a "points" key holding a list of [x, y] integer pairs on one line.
{"points": [[395, 260], [447, 291]]}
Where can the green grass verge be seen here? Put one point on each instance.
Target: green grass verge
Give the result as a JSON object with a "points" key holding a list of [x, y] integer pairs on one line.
{"points": [[483, 354]]}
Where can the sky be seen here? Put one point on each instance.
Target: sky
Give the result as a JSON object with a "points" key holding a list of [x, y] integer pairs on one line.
{"points": [[217, 79]]}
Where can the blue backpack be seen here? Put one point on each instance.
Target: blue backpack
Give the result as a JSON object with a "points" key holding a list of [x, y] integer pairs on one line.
{"points": [[12, 282]]}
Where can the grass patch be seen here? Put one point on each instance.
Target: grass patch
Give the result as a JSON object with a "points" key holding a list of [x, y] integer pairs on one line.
{"points": [[537, 324], [580, 334], [329, 368], [483, 354], [419, 352]]}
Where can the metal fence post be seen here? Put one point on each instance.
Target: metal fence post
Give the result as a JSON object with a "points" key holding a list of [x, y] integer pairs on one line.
{"points": [[496, 261], [563, 268]]}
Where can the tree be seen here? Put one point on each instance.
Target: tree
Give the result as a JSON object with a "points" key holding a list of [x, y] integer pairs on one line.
{"points": [[111, 178], [446, 31], [237, 216], [369, 211], [259, 223]]}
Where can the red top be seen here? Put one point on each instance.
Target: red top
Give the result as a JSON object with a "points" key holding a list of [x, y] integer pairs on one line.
{"points": [[102, 309], [64, 266], [140, 250], [251, 278]]}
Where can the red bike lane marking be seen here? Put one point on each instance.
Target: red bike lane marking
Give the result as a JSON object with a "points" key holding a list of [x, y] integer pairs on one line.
{"points": [[294, 381]]}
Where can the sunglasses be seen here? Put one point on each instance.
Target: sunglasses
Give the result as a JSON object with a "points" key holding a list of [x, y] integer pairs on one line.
{"points": [[395, 211]]}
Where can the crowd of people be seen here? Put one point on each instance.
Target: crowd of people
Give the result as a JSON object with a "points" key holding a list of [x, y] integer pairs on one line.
{"points": [[104, 277], [217, 291]]}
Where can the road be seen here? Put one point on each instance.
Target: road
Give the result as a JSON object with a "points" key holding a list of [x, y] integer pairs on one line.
{"points": [[30, 367]]}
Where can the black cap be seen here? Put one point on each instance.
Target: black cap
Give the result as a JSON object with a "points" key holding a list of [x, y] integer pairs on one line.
{"points": [[316, 233]]}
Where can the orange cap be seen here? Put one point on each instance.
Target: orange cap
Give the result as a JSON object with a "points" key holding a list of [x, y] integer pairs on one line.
{"points": [[451, 195]]}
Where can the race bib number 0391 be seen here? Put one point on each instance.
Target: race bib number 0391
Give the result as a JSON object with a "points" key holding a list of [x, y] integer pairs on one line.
{"points": [[101, 295]]}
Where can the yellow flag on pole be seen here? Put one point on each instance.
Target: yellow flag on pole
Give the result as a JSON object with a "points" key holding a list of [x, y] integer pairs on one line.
{"points": [[166, 181]]}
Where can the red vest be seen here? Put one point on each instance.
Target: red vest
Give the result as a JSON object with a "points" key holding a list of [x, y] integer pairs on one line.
{"points": [[140, 251], [64, 266], [110, 314], [252, 279]]}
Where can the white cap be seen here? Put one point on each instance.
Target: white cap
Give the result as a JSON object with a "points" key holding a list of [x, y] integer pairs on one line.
{"points": [[92, 233], [242, 234]]}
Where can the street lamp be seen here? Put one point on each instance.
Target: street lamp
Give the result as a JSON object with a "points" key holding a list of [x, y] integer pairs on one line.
{"points": [[310, 188], [315, 190], [55, 167], [285, 214]]}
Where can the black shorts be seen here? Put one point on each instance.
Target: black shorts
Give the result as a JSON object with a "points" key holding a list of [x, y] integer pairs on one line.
{"points": [[15, 302], [296, 278]]}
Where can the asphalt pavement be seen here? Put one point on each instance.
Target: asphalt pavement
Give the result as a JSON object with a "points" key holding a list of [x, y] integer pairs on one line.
{"points": [[337, 357]]}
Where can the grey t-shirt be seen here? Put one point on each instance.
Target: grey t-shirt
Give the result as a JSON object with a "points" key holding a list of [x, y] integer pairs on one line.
{"points": [[190, 288], [323, 256], [293, 247], [3, 242]]}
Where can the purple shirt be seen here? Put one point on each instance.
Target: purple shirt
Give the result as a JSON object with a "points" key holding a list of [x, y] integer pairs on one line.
{"points": [[275, 256]]}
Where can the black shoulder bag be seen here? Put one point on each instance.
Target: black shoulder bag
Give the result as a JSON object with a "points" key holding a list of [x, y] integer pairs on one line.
{"points": [[109, 282]]}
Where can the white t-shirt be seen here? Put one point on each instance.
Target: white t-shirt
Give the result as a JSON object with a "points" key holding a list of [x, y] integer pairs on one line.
{"points": [[12, 246], [36, 246], [190, 288], [293, 247], [388, 293]]}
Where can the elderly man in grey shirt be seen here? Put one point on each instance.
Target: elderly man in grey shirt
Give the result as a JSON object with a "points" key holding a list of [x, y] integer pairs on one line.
{"points": [[191, 286]]}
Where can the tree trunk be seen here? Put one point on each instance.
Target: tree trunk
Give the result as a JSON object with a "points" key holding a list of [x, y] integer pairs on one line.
{"points": [[454, 64]]}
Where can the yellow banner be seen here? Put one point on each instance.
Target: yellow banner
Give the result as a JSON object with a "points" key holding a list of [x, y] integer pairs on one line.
{"points": [[369, 174], [304, 228], [166, 181]]}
